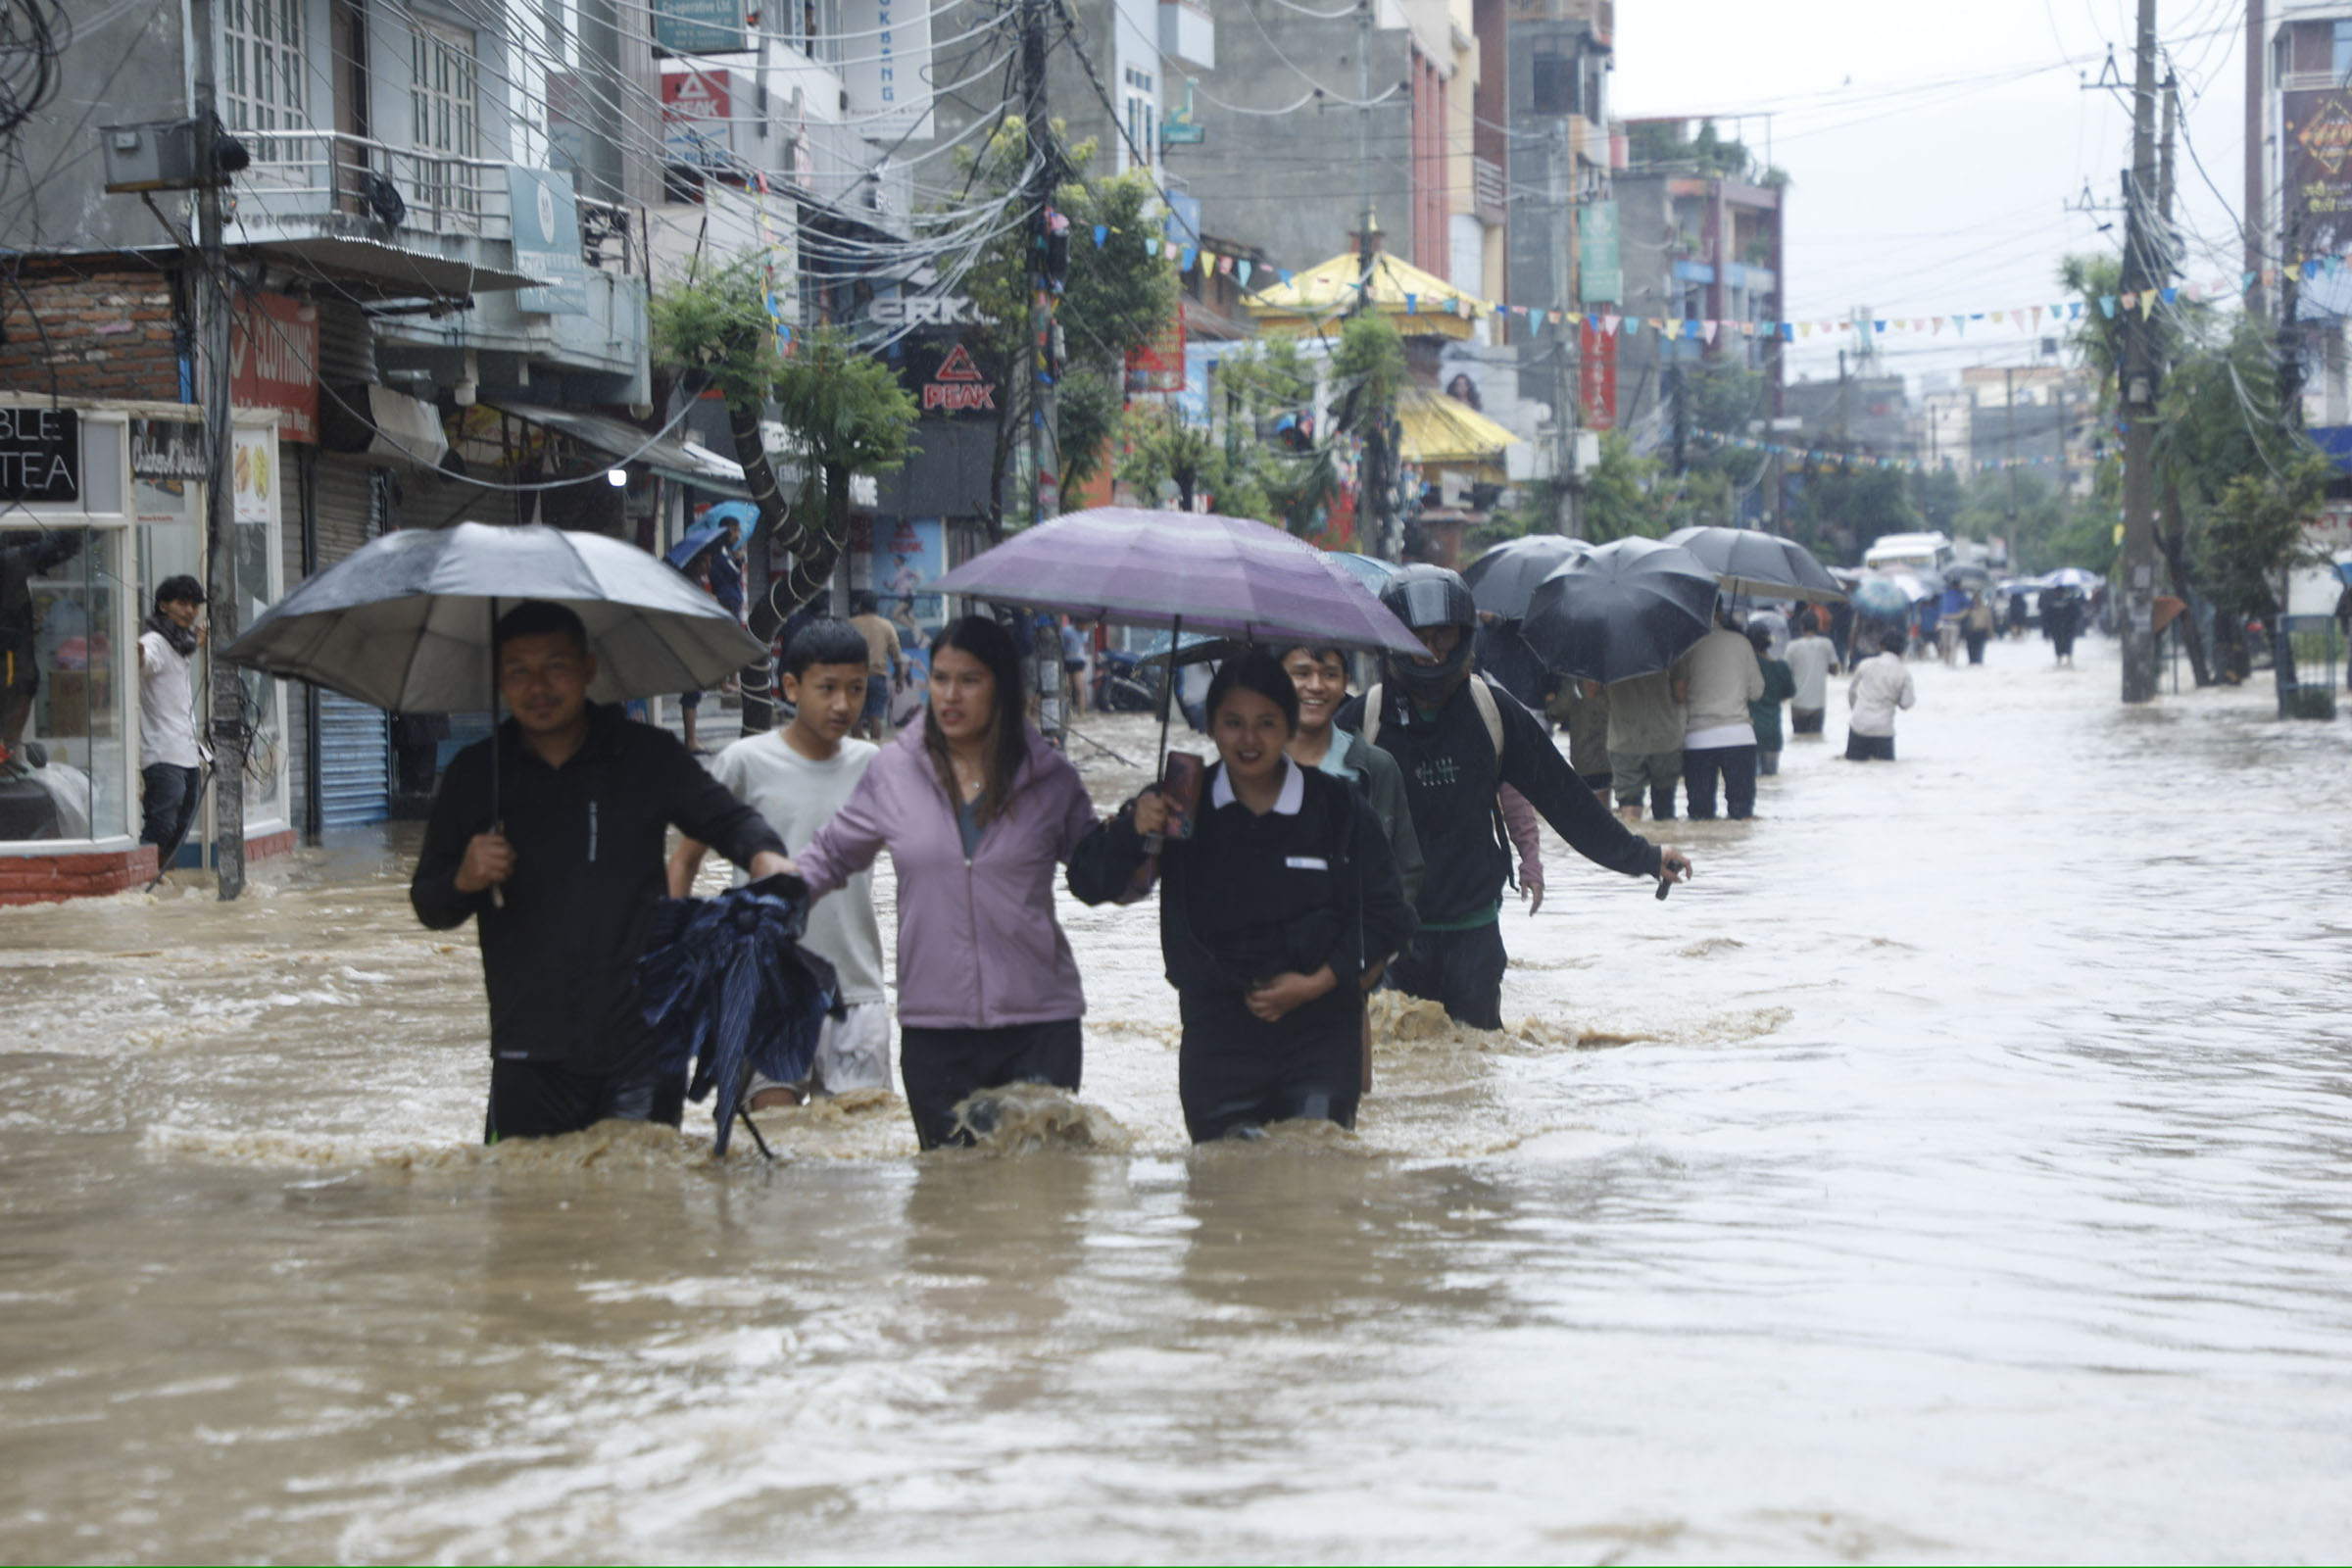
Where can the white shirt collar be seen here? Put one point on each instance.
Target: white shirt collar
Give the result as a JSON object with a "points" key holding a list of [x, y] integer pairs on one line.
{"points": [[1287, 802]]}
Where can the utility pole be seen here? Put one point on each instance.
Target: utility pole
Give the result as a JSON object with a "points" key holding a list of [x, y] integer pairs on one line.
{"points": [[227, 729], [2009, 440], [2142, 272], [1045, 454], [2256, 198], [1363, 152], [1568, 484]]}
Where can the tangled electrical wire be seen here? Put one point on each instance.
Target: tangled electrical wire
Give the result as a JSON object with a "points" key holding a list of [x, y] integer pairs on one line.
{"points": [[33, 34]]}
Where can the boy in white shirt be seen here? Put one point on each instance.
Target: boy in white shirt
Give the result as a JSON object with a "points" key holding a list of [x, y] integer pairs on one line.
{"points": [[797, 777]]}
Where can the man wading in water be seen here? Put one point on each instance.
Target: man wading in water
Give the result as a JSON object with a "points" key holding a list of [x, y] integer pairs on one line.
{"points": [[573, 851], [1457, 744]]}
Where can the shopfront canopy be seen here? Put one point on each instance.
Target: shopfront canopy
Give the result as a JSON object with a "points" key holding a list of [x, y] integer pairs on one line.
{"points": [[682, 461]]}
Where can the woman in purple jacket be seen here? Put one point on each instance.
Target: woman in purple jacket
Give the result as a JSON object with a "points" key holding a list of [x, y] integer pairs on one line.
{"points": [[976, 811]]}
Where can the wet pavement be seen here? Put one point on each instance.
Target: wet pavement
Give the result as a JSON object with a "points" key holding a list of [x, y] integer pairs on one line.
{"points": [[1956, 1170]]}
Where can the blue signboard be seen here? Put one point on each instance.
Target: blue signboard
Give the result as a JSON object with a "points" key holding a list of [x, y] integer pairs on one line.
{"points": [[699, 26], [547, 241]]}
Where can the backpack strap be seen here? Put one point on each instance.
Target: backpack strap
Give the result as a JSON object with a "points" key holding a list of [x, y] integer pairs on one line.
{"points": [[1372, 704], [1482, 698]]}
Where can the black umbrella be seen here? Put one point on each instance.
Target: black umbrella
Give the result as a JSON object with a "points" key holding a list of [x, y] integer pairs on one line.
{"points": [[1764, 565], [729, 988], [1503, 579], [1628, 609]]}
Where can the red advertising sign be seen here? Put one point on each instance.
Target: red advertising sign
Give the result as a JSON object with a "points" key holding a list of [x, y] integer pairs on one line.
{"points": [[1595, 375], [1158, 366], [696, 109], [945, 380], [274, 362]]}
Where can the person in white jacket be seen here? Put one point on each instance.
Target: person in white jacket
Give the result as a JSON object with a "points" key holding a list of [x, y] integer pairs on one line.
{"points": [[1719, 738], [1882, 685]]}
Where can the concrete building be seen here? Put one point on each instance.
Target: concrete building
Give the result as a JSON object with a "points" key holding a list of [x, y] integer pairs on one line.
{"points": [[2307, 199]]}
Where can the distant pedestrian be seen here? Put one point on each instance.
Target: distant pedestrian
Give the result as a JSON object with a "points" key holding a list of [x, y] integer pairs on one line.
{"points": [[885, 664], [1812, 659], [171, 764], [726, 567], [2062, 617], [1975, 625], [2017, 614], [1582, 707], [1721, 679], [976, 810], [1881, 685], [1764, 714], [1077, 655], [797, 778], [1950, 616], [1645, 743]]}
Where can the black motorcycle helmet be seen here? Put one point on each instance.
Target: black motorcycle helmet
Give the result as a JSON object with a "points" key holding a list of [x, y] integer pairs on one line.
{"points": [[1423, 597]]}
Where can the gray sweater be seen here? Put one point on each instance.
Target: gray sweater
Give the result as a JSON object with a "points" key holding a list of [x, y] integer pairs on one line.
{"points": [[1724, 677]]}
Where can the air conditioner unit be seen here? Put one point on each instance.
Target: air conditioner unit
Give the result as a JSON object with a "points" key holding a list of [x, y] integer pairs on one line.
{"points": [[166, 155]]}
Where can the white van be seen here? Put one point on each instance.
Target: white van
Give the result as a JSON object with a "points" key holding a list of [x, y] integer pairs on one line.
{"points": [[1927, 554]]}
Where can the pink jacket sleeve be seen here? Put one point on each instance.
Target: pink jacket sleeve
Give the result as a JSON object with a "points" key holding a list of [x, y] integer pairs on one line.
{"points": [[1527, 836], [847, 844]]}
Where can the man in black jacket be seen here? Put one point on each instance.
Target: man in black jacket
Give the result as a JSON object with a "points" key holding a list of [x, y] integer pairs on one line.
{"points": [[1456, 743], [561, 868]]}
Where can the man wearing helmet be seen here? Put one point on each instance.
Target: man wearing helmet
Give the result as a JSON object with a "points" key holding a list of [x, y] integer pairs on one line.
{"points": [[1457, 738]]}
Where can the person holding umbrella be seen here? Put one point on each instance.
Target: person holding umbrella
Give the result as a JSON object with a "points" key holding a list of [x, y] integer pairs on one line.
{"points": [[1277, 909], [1458, 740], [549, 836], [976, 810]]}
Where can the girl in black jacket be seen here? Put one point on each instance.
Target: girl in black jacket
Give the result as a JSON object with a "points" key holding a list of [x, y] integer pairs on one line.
{"points": [[1274, 915]]}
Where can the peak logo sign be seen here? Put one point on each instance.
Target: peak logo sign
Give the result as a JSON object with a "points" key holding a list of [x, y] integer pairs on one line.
{"points": [[956, 386]]}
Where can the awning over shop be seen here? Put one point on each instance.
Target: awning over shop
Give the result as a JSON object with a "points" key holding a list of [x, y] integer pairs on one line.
{"points": [[1418, 304], [682, 461], [1447, 433]]}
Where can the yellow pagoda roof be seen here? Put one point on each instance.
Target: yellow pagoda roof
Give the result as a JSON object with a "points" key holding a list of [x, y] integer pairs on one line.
{"points": [[1446, 433], [1420, 304]]}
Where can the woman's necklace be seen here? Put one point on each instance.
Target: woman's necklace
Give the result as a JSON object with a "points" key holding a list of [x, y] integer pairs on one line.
{"points": [[969, 778]]}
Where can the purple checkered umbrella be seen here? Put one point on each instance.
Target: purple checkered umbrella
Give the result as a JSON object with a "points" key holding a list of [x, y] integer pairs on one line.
{"points": [[1224, 576]]}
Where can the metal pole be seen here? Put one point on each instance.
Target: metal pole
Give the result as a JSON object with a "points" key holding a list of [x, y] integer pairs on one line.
{"points": [[1568, 483], [2257, 198], [1045, 464], [2141, 272], [227, 729]]}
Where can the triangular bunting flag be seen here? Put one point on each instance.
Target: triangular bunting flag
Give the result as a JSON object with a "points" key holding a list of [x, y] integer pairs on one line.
{"points": [[2107, 305], [2169, 295], [1151, 245], [1608, 325], [1412, 304], [1184, 263], [1706, 329], [1102, 235], [1244, 268]]}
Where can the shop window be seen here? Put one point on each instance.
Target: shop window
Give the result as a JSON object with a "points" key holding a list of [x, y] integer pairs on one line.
{"points": [[61, 669]]}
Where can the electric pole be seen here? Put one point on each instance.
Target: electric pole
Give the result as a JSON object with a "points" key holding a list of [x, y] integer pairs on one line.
{"points": [[1363, 152], [2142, 273], [1568, 484], [1044, 446], [227, 729], [2257, 203]]}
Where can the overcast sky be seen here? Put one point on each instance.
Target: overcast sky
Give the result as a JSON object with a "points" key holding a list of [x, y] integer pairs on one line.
{"points": [[1937, 151]]}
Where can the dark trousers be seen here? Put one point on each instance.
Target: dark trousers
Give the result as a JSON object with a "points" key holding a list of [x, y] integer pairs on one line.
{"points": [[540, 1099], [1461, 969], [1976, 645], [1869, 748], [1236, 1070], [171, 795], [1805, 720], [941, 1067], [1737, 765]]}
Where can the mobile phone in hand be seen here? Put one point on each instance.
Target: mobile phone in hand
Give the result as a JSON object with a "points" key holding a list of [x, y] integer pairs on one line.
{"points": [[1180, 787]]}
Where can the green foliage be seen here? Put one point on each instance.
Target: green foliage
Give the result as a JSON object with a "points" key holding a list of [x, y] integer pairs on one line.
{"points": [[1370, 366], [2254, 533], [1627, 496], [1167, 459], [844, 408], [1838, 511], [718, 330], [1087, 419]]}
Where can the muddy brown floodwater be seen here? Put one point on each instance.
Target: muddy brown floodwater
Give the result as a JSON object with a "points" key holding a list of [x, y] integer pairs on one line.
{"points": [[1958, 1169]]}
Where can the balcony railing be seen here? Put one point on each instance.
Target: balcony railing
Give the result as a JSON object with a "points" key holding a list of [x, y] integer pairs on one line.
{"points": [[1490, 190], [302, 176]]}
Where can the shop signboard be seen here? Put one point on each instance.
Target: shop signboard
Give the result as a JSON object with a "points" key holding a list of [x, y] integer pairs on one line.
{"points": [[1595, 375], [253, 475], [40, 453], [699, 26], [166, 469], [547, 241], [696, 108], [946, 380], [274, 362], [1599, 269], [887, 82]]}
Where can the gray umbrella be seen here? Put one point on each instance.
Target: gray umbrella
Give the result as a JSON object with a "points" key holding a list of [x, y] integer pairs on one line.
{"points": [[405, 622], [1748, 562], [1503, 579]]}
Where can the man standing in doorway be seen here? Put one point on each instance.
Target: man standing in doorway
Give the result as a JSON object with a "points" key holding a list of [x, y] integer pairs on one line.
{"points": [[171, 764], [560, 868]]}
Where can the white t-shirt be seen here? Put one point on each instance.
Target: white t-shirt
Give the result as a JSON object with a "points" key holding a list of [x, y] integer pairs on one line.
{"points": [[1809, 661], [167, 705], [798, 797]]}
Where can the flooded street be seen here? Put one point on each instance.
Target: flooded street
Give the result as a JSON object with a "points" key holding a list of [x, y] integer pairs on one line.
{"points": [[1956, 1169]]}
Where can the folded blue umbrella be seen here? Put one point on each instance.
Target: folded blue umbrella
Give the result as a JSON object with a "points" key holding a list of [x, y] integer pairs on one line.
{"points": [[729, 991]]}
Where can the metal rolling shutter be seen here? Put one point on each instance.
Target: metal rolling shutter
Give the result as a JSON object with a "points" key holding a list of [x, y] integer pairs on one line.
{"points": [[354, 785]]}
